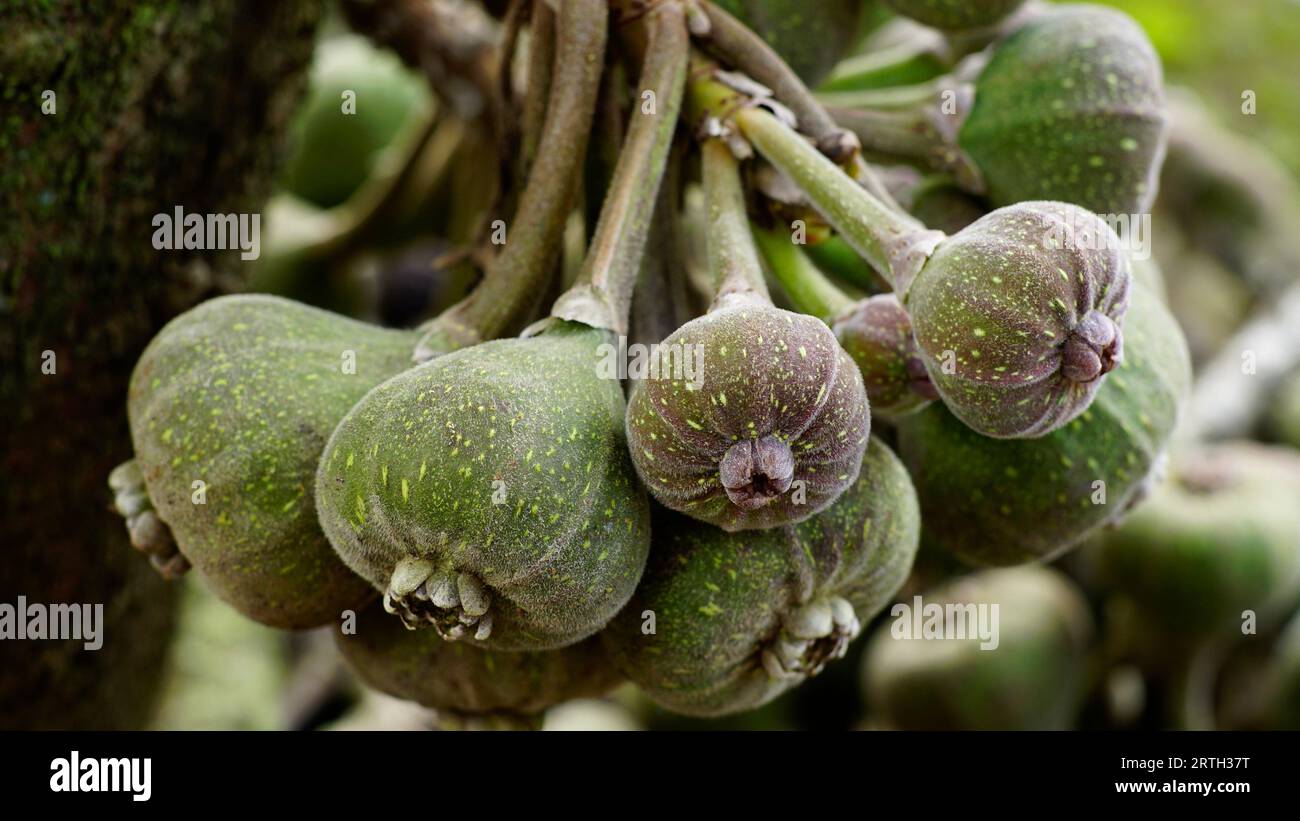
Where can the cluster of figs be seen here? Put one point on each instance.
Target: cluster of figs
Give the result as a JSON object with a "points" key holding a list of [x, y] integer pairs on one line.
{"points": [[493, 525]]}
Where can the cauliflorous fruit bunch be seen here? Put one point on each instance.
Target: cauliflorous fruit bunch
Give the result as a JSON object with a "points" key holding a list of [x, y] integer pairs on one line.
{"points": [[512, 504]]}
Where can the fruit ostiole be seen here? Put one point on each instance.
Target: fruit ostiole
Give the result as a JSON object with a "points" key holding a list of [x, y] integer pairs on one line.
{"points": [[526, 261], [488, 493], [876, 332], [1069, 106], [771, 427], [1017, 317]]}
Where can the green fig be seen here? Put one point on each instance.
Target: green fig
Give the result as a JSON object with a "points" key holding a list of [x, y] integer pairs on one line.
{"points": [[771, 424], [230, 407], [1068, 107], [877, 334], [811, 39], [358, 102], [1017, 317], [1025, 673], [1220, 537], [999, 502], [956, 15], [725, 622], [488, 492], [464, 682]]}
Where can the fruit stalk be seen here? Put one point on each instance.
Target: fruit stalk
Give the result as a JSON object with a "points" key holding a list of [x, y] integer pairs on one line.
{"points": [[749, 53], [733, 257], [520, 270], [602, 296], [810, 291]]}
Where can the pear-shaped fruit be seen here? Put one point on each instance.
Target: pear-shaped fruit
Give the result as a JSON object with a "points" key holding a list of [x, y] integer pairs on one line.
{"points": [[230, 407], [1002, 502], [725, 622], [489, 492]]}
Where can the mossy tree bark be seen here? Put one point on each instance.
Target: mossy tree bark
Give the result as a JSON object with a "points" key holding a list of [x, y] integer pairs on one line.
{"points": [[156, 105]]}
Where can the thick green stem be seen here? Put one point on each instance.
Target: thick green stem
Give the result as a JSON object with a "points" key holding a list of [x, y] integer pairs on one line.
{"points": [[751, 54], [894, 245], [520, 271], [808, 288], [603, 294], [733, 256]]}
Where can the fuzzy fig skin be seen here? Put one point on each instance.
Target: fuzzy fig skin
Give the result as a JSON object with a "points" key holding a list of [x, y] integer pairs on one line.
{"points": [[739, 618], [489, 493], [241, 393], [469, 682], [1032, 679], [956, 15], [774, 432], [1071, 107], [1008, 501], [1217, 538], [1018, 317], [877, 334]]}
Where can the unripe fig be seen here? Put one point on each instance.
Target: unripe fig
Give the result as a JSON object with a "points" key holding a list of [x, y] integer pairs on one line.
{"points": [[1071, 107], [464, 682], [1026, 673], [810, 38], [725, 622], [769, 425], [1018, 317], [334, 148], [230, 407], [877, 334], [773, 431], [489, 494], [1219, 538], [1068, 107], [956, 15], [999, 502]]}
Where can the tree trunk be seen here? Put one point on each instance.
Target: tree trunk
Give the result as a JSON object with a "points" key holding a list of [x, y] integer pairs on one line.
{"points": [[156, 105]]}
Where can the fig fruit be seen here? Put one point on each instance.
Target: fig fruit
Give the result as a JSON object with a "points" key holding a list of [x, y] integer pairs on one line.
{"points": [[810, 39], [230, 407], [877, 334], [725, 622], [489, 493], [999, 502], [1017, 317], [333, 148], [1069, 107], [1025, 673], [771, 425], [467, 683], [1220, 537], [956, 15]]}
